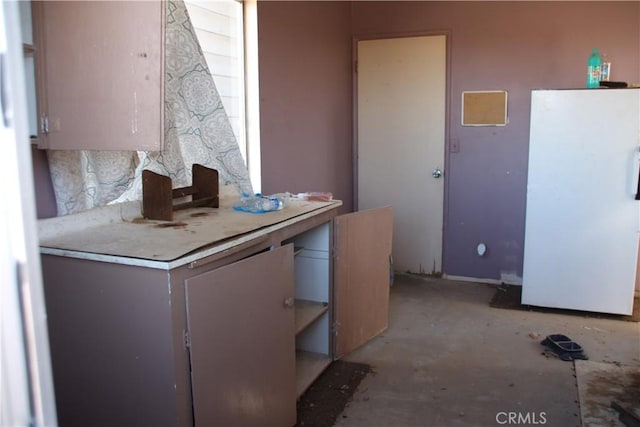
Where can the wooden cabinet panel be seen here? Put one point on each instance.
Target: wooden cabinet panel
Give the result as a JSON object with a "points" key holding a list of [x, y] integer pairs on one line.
{"points": [[361, 276], [241, 333], [103, 74], [111, 349]]}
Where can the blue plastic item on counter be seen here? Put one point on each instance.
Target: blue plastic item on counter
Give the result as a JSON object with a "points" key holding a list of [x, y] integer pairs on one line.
{"points": [[259, 204]]}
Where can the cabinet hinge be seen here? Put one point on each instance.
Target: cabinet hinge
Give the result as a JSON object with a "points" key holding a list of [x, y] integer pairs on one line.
{"points": [[355, 67], [334, 328], [44, 125], [334, 253], [187, 339]]}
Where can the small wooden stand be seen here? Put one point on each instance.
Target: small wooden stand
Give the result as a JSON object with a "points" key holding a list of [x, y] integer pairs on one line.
{"points": [[157, 195]]}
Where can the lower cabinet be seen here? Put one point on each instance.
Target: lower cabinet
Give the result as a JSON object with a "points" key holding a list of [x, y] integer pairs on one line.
{"points": [[230, 340], [240, 321]]}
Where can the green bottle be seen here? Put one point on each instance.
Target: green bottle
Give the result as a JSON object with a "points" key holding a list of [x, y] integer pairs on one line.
{"points": [[593, 70]]}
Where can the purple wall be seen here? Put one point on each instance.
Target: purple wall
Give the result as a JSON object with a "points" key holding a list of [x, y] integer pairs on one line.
{"points": [[305, 97], [306, 92], [43, 188]]}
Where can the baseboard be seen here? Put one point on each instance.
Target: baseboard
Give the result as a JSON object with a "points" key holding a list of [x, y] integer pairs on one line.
{"points": [[506, 280]]}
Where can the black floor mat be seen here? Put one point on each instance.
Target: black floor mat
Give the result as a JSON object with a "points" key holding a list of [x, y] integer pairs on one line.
{"points": [[327, 397], [509, 296]]}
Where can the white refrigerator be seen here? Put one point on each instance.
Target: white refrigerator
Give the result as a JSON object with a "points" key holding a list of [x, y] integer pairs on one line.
{"points": [[582, 216]]}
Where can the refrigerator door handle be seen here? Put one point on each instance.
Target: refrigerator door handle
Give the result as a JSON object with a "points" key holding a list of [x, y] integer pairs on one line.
{"points": [[638, 190]]}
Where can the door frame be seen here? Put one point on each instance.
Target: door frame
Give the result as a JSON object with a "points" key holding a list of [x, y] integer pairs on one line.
{"points": [[447, 118]]}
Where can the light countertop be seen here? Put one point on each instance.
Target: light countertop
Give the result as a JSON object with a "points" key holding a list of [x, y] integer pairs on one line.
{"points": [[119, 234]]}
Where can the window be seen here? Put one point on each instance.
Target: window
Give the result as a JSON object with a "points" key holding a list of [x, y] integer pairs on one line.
{"points": [[227, 32]]}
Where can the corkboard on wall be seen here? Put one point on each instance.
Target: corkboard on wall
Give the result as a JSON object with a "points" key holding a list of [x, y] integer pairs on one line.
{"points": [[484, 108]]}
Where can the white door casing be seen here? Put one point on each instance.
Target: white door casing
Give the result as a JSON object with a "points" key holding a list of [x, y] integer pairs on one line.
{"points": [[401, 98], [26, 379]]}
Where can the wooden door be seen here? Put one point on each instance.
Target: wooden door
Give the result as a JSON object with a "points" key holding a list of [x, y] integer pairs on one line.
{"points": [[361, 276], [242, 345], [401, 84]]}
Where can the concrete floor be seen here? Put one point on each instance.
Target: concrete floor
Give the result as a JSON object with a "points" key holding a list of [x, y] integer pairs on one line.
{"points": [[449, 359]]}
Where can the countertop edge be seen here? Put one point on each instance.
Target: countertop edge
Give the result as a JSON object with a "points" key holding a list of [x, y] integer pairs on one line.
{"points": [[198, 254]]}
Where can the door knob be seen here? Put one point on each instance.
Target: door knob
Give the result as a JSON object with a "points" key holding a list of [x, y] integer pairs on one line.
{"points": [[437, 173]]}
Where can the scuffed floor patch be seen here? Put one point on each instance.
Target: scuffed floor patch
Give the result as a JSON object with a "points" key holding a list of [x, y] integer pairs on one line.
{"points": [[327, 397], [599, 384], [509, 297]]}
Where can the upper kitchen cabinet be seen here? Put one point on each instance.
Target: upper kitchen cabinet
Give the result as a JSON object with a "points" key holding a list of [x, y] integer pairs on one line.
{"points": [[101, 77]]}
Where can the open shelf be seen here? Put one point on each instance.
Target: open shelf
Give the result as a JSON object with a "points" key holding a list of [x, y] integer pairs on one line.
{"points": [[312, 310], [308, 367], [307, 312]]}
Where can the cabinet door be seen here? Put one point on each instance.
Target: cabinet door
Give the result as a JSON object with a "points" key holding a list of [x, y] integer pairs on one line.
{"points": [[241, 330], [361, 276], [103, 74]]}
